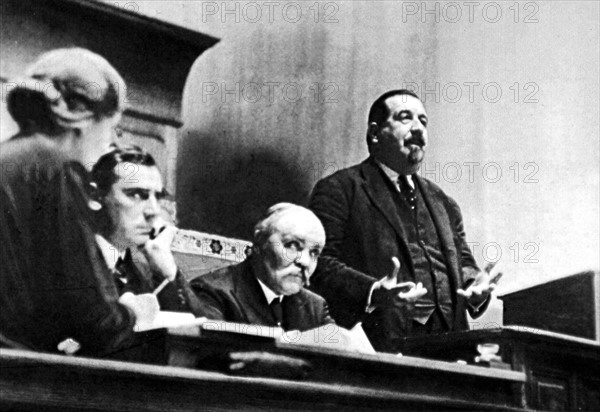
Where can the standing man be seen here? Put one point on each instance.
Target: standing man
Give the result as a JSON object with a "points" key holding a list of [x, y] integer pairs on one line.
{"points": [[381, 209]]}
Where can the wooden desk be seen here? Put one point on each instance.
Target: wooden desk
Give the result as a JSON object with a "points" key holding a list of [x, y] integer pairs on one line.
{"points": [[563, 372], [338, 382], [415, 383]]}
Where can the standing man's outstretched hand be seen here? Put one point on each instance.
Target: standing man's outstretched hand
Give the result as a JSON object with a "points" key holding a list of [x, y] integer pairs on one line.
{"points": [[405, 291], [482, 286]]}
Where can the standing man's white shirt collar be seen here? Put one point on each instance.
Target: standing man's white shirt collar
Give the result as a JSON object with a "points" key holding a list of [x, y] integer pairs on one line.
{"points": [[269, 294], [393, 175]]}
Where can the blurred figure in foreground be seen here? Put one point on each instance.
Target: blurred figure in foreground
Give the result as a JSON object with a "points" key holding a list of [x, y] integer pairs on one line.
{"points": [[54, 284]]}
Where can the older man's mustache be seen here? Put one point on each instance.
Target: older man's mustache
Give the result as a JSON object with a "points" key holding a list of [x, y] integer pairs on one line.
{"points": [[305, 279], [303, 273]]}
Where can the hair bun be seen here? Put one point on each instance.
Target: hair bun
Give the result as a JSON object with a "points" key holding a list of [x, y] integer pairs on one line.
{"points": [[37, 101], [66, 89], [37, 85]]}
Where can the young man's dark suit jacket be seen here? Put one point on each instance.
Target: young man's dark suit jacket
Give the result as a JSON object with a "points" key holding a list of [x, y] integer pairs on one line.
{"points": [[364, 230], [137, 278], [133, 275], [233, 294]]}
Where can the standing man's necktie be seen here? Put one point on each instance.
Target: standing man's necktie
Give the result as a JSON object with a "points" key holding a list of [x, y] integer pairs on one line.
{"points": [[407, 191], [277, 311]]}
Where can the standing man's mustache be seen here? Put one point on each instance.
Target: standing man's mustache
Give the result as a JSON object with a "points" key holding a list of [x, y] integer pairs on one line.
{"points": [[416, 138]]}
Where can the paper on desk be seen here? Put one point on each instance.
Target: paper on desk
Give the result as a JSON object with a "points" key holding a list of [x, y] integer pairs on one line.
{"points": [[166, 319], [331, 336], [359, 339]]}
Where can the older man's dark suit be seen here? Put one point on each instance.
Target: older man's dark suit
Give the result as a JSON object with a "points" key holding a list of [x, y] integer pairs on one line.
{"points": [[233, 294], [364, 230]]}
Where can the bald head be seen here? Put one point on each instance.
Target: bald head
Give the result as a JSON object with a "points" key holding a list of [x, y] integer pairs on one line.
{"points": [[286, 214], [287, 242]]}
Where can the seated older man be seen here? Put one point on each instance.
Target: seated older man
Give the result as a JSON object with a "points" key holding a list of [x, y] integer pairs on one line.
{"points": [[268, 288]]}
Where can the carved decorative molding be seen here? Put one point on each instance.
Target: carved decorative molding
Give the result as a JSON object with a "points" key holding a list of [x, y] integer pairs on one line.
{"points": [[209, 245]]}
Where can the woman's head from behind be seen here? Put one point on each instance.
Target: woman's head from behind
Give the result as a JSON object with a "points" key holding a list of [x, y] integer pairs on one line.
{"points": [[73, 96]]}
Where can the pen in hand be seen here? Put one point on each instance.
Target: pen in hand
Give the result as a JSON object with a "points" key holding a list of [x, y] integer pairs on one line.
{"points": [[153, 234], [161, 287]]}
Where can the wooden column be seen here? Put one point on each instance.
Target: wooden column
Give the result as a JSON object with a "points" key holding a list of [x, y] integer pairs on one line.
{"points": [[153, 56]]}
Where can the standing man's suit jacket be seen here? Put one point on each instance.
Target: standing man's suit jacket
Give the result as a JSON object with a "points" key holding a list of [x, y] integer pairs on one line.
{"points": [[233, 294], [364, 231]]}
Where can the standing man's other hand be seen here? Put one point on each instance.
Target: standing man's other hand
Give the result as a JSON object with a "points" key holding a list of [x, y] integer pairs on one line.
{"points": [[482, 286]]}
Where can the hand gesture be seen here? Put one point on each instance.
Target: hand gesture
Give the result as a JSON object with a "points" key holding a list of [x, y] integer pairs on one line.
{"points": [[157, 250], [482, 286], [406, 291]]}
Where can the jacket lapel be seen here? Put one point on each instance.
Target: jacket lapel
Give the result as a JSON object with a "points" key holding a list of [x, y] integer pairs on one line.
{"points": [[378, 190], [252, 301]]}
